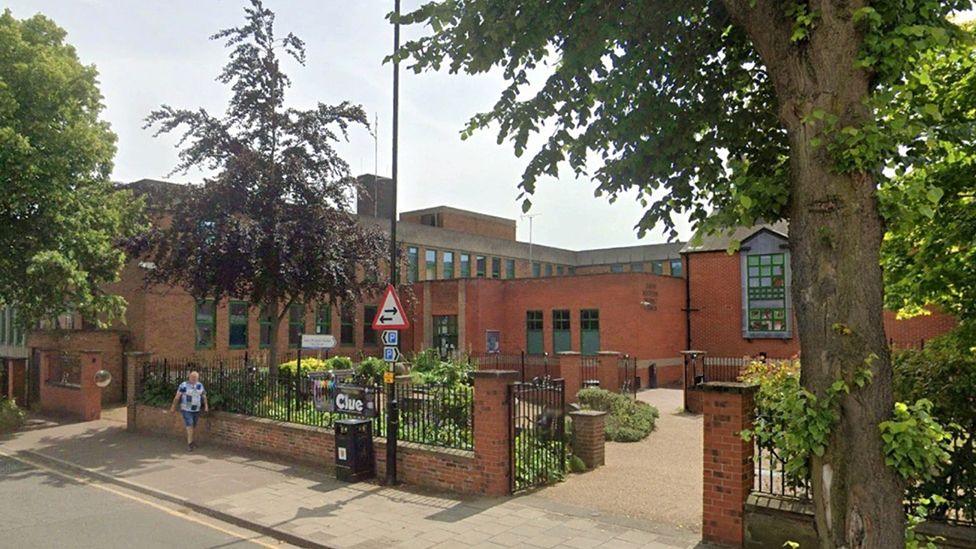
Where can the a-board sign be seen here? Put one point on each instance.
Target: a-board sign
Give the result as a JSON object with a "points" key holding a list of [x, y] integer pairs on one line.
{"points": [[330, 396], [318, 341]]}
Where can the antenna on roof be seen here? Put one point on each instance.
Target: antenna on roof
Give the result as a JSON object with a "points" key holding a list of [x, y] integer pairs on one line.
{"points": [[530, 217]]}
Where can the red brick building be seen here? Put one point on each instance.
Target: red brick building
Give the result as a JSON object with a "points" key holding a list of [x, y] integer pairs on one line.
{"points": [[470, 286]]}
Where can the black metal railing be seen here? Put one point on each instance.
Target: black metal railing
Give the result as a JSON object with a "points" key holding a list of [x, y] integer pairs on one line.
{"points": [[537, 431], [529, 366], [718, 368], [590, 368], [439, 415], [627, 375], [771, 477]]}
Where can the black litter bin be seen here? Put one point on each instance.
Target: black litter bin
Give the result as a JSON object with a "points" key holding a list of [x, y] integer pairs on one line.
{"points": [[354, 450]]}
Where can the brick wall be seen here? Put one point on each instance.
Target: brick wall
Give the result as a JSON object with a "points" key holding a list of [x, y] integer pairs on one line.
{"points": [[109, 342]]}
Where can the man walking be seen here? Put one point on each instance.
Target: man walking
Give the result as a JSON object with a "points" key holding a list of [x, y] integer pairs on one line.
{"points": [[192, 398]]}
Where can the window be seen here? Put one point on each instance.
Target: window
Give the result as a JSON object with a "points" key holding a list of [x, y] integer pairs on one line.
{"points": [[657, 267], [413, 258], [237, 322], [559, 270], [206, 323], [448, 264], [533, 333], [536, 270], [323, 319], [617, 268], [430, 261], [675, 267], [509, 268], [496, 267], [296, 324], [767, 292], [369, 334], [480, 266], [561, 340], [445, 334], [347, 327], [431, 220], [465, 266], [637, 267], [589, 331], [548, 269], [265, 322]]}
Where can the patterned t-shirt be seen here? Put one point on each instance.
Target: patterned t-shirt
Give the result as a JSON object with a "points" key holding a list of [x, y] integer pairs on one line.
{"points": [[192, 396]]}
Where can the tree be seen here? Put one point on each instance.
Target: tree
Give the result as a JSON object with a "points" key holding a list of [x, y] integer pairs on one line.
{"points": [[733, 112], [929, 253], [273, 225], [60, 217]]}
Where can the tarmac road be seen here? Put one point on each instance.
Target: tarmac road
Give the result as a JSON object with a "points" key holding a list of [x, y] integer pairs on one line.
{"points": [[40, 507]]}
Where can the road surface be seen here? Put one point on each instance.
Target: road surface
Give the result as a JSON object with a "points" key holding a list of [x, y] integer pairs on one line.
{"points": [[40, 507]]}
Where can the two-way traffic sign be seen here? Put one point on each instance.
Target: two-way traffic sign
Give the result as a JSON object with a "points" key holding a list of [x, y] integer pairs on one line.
{"points": [[390, 314]]}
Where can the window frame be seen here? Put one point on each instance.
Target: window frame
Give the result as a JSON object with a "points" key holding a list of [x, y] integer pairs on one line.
{"points": [[347, 320], [265, 320], [464, 260], [562, 339], [430, 265], [231, 323], [301, 323], [448, 265], [413, 264], [319, 322], [761, 320], [481, 266], [509, 268], [531, 318], [587, 319], [496, 267], [370, 336], [197, 323]]}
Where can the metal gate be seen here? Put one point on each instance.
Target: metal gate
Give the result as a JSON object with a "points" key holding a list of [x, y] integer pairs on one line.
{"points": [[627, 375], [537, 431]]}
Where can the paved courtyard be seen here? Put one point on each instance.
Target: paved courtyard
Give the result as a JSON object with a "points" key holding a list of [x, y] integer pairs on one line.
{"points": [[312, 506], [658, 479]]}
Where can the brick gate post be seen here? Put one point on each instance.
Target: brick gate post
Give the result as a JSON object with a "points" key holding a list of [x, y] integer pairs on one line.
{"points": [[492, 436], [728, 466], [132, 361], [589, 437]]}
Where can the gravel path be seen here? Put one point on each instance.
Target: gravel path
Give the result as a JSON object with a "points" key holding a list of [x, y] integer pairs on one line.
{"points": [[658, 479]]}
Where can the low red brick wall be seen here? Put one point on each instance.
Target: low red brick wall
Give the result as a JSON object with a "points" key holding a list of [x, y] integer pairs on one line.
{"points": [[441, 469]]}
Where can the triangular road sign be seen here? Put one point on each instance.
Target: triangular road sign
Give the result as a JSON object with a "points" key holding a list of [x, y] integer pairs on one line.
{"points": [[390, 314]]}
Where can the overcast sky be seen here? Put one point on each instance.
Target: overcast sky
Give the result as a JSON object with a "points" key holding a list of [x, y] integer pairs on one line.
{"points": [[150, 53]]}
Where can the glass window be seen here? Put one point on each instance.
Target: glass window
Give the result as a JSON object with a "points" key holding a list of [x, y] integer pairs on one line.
{"points": [[561, 340], [766, 291], [657, 267], [347, 327], [548, 269], [480, 266], [676, 267], [559, 270], [413, 259], [265, 321], [296, 324], [323, 319], [237, 322], [448, 264], [617, 268], [496, 267], [445, 334], [206, 323], [430, 262], [509, 268], [369, 334], [589, 331], [637, 267], [533, 333], [465, 266], [536, 270]]}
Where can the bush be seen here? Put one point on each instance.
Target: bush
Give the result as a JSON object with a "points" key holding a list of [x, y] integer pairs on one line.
{"points": [[11, 416], [428, 368], [312, 364], [370, 371], [576, 464], [627, 420]]}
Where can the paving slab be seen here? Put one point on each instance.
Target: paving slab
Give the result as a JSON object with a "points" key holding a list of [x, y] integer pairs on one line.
{"points": [[306, 505]]}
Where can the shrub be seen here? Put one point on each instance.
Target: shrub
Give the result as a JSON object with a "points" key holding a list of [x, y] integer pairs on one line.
{"points": [[428, 368], [312, 364], [11, 416], [627, 420], [370, 371], [576, 464]]}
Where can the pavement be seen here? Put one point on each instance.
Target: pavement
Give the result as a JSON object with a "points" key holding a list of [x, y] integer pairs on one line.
{"points": [[306, 507], [658, 480], [45, 508]]}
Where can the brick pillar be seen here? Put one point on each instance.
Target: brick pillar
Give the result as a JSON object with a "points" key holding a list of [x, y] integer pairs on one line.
{"points": [[728, 469], [18, 380], [589, 440], [492, 435], [91, 362], [609, 370], [571, 369], [132, 380]]}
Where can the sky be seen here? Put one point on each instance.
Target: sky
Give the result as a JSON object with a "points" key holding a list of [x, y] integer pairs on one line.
{"points": [[154, 53]]}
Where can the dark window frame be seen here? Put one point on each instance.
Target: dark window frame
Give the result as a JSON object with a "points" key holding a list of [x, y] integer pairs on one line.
{"points": [[212, 323], [235, 321]]}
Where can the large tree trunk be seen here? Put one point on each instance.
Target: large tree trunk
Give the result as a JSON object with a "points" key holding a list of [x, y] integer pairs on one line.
{"points": [[835, 239]]}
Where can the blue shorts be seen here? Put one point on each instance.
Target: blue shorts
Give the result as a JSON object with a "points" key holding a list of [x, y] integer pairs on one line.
{"points": [[190, 418]]}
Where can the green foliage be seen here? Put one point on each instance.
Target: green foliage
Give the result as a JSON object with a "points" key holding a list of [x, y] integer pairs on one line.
{"points": [[11, 416], [60, 215], [312, 364], [915, 444], [627, 420], [575, 464], [159, 392], [428, 368], [370, 371], [538, 461], [944, 373]]}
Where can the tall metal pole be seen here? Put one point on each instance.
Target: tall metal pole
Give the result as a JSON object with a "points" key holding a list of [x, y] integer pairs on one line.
{"points": [[392, 412]]}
